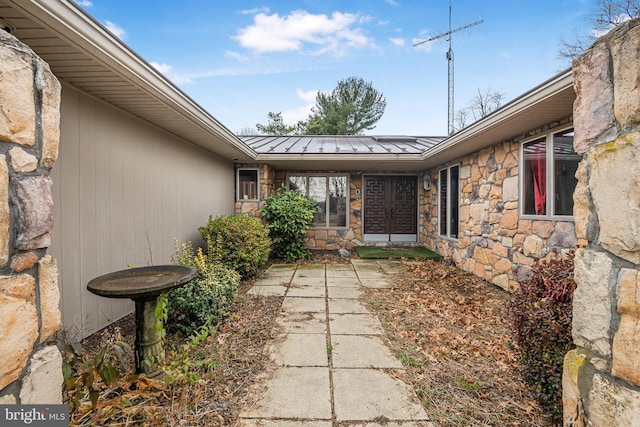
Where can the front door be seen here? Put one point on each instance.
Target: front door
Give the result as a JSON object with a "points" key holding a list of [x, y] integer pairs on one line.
{"points": [[390, 209]]}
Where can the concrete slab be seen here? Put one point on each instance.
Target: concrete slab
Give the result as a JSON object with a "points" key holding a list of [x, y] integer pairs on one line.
{"points": [[344, 292], [272, 281], [377, 283], [343, 305], [348, 274], [364, 263], [307, 291], [309, 273], [355, 351], [302, 305], [267, 291], [301, 393], [307, 281], [368, 274], [299, 350], [355, 324], [310, 267], [347, 282], [284, 423], [302, 323], [339, 267], [366, 394], [288, 273], [391, 266]]}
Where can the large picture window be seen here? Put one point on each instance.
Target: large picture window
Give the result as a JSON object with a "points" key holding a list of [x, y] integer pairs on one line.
{"points": [[449, 202], [330, 195], [549, 166]]}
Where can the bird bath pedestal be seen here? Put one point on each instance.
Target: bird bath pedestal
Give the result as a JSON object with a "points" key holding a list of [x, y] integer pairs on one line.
{"points": [[144, 285]]}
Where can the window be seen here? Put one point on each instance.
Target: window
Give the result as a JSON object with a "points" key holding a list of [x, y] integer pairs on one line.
{"points": [[549, 166], [248, 184], [330, 194], [449, 202]]}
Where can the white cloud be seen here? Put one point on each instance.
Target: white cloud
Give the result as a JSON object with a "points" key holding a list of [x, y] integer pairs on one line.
{"points": [[171, 74], [294, 115], [334, 34], [117, 31], [236, 55], [255, 10], [398, 41], [391, 2], [84, 3]]}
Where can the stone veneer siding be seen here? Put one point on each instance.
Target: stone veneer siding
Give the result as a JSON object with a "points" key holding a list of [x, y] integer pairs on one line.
{"points": [[494, 242], [31, 364], [320, 238], [601, 381]]}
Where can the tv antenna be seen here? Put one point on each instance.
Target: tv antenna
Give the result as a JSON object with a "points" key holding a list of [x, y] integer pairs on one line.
{"points": [[449, 56]]}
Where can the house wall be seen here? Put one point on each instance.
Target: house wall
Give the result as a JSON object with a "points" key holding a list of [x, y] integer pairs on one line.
{"points": [[494, 242], [123, 190], [31, 364], [318, 238], [601, 380]]}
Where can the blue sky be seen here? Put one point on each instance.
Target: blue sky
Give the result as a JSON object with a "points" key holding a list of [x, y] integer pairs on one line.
{"points": [[241, 59]]}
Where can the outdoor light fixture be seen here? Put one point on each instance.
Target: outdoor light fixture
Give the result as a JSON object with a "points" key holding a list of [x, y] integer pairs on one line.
{"points": [[7, 26], [426, 182]]}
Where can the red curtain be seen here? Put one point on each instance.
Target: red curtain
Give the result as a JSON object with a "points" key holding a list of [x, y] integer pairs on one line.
{"points": [[538, 169]]}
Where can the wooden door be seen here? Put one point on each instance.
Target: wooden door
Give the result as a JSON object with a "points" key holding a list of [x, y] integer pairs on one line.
{"points": [[390, 208]]}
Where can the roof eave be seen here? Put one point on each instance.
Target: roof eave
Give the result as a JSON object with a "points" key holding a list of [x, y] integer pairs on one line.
{"points": [[79, 29], [479, 134]]}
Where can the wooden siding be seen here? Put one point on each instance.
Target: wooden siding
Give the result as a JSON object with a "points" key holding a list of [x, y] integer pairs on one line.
{"points": [[123, 189]]}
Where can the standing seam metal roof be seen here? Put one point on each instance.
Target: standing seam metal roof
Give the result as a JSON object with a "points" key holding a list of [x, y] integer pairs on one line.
{"points": [[349, 144]]}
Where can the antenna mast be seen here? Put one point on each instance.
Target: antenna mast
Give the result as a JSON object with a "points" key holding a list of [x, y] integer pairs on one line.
{"points": [[450, 109]]}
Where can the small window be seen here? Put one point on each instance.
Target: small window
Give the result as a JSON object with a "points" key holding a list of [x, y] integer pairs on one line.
{"points": [[549, 164], [248, 184], [330, 195], [449, 201]]}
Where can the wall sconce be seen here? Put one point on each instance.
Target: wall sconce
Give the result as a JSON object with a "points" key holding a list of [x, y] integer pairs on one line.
{"points": [[426, 182]]}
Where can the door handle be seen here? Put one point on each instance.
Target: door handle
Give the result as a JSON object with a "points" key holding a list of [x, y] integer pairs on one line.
{"points": [[386, 213], [392, 213]]}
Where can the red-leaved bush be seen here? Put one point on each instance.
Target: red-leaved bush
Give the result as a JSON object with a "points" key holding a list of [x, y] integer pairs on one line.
{"points": [[540, 314]]}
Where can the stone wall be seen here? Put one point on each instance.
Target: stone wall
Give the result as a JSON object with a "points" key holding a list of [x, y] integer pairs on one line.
{"points": [[31, 368], [601, 382], [494, 242]]}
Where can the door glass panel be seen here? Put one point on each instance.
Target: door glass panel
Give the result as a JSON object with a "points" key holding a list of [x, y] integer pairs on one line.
{"points": [[535, 177]]}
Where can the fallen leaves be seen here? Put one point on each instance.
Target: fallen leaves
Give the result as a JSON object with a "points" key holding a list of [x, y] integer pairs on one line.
{"points": [[449, 329]]}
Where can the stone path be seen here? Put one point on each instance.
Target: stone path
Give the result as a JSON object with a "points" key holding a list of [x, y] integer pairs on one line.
{"points": [[331, 366]]}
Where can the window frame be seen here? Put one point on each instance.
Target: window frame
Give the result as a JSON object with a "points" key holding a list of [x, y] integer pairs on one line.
{"points": [[448, 201], [327, 199], [550, 206], [238, 196]]}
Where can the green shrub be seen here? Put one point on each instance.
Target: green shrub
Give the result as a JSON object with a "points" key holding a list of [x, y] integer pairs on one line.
{"points": [[540, 314], [207, 299], [289, 215], [238, 242]]}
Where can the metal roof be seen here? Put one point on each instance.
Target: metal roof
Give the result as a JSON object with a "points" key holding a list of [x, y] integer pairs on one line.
{"points": [[348, 144]]}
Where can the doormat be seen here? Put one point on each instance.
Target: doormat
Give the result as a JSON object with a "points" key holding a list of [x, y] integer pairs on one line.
{"points": [[384, 252]]}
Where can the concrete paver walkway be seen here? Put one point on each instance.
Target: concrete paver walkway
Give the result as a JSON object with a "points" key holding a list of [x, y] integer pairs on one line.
{"points": [[331, 366]]}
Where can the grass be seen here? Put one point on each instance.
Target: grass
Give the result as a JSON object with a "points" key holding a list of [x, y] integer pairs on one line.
{"points": [[384, 252]]}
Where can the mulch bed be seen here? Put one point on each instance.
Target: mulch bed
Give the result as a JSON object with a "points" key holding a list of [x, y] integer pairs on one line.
{"points": [[447, 327]]}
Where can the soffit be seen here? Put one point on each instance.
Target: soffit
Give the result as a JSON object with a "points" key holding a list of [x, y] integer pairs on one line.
{"points": [[82, 53]]}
